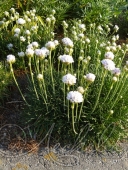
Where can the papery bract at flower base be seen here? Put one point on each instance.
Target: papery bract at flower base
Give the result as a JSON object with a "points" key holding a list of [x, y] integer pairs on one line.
{"points": [[11, 59], [108, 64], [69, 79], [109, 55], [67, 59], [75, 97]]}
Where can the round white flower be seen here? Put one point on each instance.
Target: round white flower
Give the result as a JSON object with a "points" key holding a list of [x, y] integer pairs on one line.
{"points": [[12, 10], [109, 55], [40, 53], [81, 35], [108, 64], [35, 44], [90, 77], [39, 76], [29, 52], [50, 45], [21, 54], [11, 59], [17, 30], [46, 50], [56, 42], [16, 35], [82, 27], [30, 46], [67, 59], [75, 97], [99, 28], [116, 28], [22, 39], [69, 79], [87, 40], [48, 20], [67, 42], [116, 71], [6, 13], [114, 79], [10, 46], [21, 21], [27, 32], [80, 89]]}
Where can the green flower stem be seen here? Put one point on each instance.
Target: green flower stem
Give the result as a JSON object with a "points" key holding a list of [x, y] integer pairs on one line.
{"points": [[72, 106], [41, 89], [76, 112], [117, 87], [108, 93], [51, 72], [17, 84], [82, 102], [119, 93], [32, 78], [98, 96], [42, 71]]}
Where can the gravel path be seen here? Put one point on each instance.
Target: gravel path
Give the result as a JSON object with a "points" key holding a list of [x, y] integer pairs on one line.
{"points": [[58, 158]]}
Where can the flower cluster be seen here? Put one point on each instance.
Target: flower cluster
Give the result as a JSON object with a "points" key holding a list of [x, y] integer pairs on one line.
{"points": [[75, 97], [67, 42], [67, 59], [69, 79]]}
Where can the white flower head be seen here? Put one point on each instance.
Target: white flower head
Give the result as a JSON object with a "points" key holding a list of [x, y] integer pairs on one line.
{"points": [[99, 28], [35, 44], [30, 46], [108, 64], [82, 27], [22, 39], [27, 32], [109, 55], [21, 21], [90, 77], [75, 97], [11, 59], [67, 42], [69, 79], [40, 53], [12, 10], [17, 31], [29, 52], [56, 42], [81, 35], [116, 72], [6, 13], [116, 28], [67, 59], [46, 51], [87, 40], [50, 45], [9, 46], [48, 20], [40, 77], [16, 35], [114, 79], [80, 89], [21, 54]]}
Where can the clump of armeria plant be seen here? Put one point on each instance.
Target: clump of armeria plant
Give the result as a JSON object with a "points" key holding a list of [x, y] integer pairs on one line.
{"points": [[82, 89]]}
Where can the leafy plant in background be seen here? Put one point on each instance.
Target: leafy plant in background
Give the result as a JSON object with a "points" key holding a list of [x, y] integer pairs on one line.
{"points": [[79, 83]]}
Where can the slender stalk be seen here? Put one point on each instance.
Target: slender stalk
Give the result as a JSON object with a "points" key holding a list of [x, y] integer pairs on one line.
{"points": [[73, 119], [17, 84], [98, 96], [51, 72], [32, 78]]}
